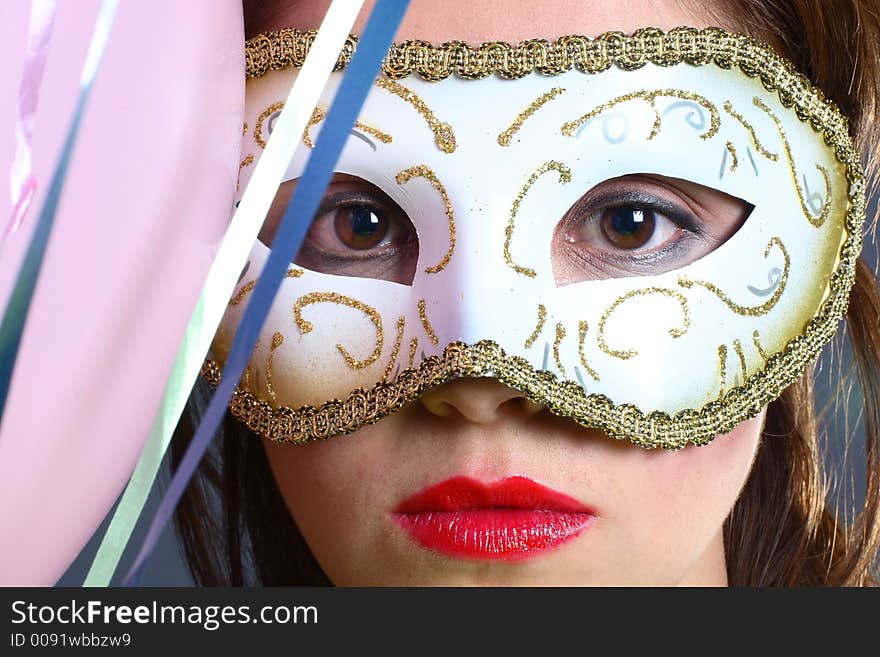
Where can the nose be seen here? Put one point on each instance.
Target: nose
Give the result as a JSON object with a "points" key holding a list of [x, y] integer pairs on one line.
{"points": [[478, 400]]}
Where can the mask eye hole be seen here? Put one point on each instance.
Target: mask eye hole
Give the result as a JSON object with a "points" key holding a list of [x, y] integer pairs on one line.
{"points": [[641, 225], [358, 231]]}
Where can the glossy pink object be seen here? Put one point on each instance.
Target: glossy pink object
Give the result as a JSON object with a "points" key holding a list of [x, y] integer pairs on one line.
{"points": [[146, 203], [23, 183]]}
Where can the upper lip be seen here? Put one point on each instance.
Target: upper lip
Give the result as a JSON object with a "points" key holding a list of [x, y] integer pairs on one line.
{"points": [[516, 492]]}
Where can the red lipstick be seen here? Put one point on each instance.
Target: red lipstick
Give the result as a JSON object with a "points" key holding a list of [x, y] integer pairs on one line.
{"points": [[514, 518]]}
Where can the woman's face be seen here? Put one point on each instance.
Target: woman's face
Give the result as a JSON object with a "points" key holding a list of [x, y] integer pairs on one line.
{"points": [[453, 488]]}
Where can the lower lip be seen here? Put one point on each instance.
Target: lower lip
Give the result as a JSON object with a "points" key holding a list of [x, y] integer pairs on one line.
{"points": [[499, 533]]}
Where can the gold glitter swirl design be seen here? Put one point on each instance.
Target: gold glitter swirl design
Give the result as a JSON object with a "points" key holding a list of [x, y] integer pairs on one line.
{"points": [[733, 159], [583, 327], [244, 129], [242, 293], [423, 171], [626, 354], [277, 341], [306, 326], [429, 330], [319, 114], [816, 221], [756, 339], [542, 317], [564, 177], [245, 381], [560, 336], [398, 341], [728, 107], [413, 347], [568, 129], [246, 162], [749, 311], [722, 368], [646, 428], [505, 137], [247, 287], [738, 348], [258, 129], [248, 378], [444, 137], [654, 429]]}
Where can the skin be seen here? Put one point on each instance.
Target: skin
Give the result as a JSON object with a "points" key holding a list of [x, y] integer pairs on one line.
{"points": [[660, 513]]}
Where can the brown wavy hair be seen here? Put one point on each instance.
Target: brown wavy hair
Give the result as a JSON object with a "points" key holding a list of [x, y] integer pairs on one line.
{"points": [[787, 527]]}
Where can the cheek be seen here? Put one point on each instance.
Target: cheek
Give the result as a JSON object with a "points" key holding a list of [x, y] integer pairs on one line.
{"points": [[662, 510], [680, 499], [337, 492], [324, 476]]}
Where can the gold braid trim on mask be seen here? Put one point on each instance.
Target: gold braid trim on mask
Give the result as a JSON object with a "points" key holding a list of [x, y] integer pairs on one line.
{"points": [[565, 398], [276, 50]]}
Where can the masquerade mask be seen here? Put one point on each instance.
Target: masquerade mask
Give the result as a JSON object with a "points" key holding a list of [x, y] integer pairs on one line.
{"points": [[649, 234]]}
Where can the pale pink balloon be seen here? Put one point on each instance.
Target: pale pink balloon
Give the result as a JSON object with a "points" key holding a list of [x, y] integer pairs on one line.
{"points": [[146, 203]]}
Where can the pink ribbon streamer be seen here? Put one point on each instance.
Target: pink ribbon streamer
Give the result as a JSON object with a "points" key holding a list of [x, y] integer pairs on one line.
{"points": [[22, 181]]}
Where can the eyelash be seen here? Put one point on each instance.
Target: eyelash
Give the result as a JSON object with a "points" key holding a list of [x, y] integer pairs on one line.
{"points": [[593, 210], [343, 199], [647, 202], [379, 253], [589, 210]]}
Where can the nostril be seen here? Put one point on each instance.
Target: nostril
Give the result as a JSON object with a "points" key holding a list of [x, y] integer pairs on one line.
{"points": [[478, 400], [527, 406], [520, 406], [438, 408]]}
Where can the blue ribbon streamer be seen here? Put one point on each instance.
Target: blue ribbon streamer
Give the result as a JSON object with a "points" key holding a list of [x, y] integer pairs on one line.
{"points": [[16, 313], [356, 83]]}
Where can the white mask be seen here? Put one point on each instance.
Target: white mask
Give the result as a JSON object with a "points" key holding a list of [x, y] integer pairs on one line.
{"points": [[678, 349]]}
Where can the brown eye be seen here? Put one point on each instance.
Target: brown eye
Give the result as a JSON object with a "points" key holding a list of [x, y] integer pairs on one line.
{"points": [[628, 227], [358, 231], [641, 225], [360, 227]]}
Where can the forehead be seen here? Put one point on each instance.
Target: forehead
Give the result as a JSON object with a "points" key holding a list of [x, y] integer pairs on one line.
{"points": [[477, 22]]}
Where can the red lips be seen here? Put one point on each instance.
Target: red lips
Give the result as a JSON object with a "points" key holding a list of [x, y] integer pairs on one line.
{"points": [[514, 518]]}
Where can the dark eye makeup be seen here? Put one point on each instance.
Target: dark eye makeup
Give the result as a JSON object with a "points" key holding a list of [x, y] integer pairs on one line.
{"points": [[358, 231], [634, 225], [641, 225]]}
